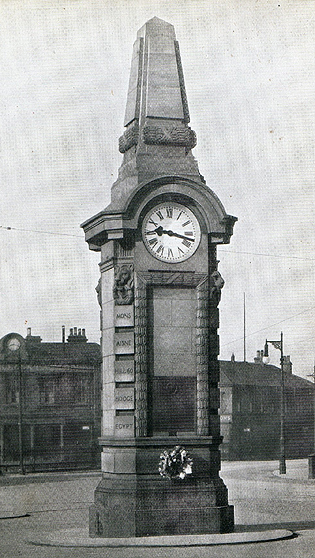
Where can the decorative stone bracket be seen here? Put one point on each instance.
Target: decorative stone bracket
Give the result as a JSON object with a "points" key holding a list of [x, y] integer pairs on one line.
{"points": [[123, 289]]}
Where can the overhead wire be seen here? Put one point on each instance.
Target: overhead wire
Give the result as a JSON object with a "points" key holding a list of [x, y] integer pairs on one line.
{"points": [[270, 326], [222, 252], [268, 255], [39, 232]]}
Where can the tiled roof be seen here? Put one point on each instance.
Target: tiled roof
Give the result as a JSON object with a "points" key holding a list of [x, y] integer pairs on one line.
{"points": [[64, 353]]}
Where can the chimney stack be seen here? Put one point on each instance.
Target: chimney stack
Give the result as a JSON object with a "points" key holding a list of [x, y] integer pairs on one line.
{"points": [[287, 365], [77, 335], [259, 357]]}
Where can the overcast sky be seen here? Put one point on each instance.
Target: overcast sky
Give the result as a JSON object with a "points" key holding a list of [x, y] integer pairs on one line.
{"points": [[250, 75]]}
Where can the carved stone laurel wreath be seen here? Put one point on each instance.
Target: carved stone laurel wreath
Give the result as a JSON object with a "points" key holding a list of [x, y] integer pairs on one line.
{"points": [[179, 136], [129, 138], [170, 135]]}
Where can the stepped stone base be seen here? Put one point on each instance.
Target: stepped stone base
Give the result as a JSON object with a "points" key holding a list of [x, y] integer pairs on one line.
{"points": [[131, 501], [164, 508]]}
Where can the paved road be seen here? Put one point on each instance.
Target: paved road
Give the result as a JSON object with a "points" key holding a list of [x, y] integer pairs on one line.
{"points": [[262, 500]]}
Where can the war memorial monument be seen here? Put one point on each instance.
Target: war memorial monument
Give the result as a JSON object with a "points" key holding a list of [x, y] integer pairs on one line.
{"points": [[159, 293]]}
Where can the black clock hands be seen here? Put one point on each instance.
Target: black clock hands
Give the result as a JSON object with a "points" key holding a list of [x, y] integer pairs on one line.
{"points": [[159, 231]]}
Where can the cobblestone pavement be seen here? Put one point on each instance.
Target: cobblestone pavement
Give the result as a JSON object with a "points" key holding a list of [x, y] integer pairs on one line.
{"points": [[262, 498]]}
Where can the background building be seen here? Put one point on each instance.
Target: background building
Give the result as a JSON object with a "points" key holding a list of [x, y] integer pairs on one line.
{"points": [[61, 414], [250, 410], [53, 390]]}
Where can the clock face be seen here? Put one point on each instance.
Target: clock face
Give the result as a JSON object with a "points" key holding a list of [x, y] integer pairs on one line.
{"points": [[14, 344], [171, 232]]}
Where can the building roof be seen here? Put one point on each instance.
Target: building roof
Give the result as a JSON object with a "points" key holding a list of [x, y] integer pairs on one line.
{"points": [[31, 350], [64, 353], [249, 373]]}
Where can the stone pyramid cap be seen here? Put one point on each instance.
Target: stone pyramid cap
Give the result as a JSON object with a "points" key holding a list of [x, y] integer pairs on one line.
{"points": [[157, 26]]}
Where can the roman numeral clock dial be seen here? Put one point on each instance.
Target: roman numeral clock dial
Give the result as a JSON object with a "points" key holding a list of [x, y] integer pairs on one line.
{"points": [[171, 232]]}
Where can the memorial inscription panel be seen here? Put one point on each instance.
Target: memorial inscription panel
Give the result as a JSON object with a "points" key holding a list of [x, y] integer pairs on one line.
{"points": [[124, 316], [124, 371], [124, 426], [124, 343], [124, 398], [173, 359]]}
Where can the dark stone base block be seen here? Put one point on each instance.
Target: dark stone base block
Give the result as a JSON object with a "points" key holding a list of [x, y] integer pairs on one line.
{"points": [[129, 507], [134, 500]]}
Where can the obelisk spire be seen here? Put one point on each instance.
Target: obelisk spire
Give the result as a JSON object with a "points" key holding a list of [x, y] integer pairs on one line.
{"points": [[157, 140], [156, 86]]}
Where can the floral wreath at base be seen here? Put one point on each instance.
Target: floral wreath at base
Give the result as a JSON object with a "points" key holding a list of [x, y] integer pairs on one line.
{"points": [[175, 464]]}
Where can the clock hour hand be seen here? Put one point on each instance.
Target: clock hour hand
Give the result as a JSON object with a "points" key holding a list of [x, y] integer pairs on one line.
{"points": [[159, 231]]}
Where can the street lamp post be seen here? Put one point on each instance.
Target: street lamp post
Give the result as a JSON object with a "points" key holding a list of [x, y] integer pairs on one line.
{"points": [[14, 345], [313, 376], [279, 345], [21, 416]]}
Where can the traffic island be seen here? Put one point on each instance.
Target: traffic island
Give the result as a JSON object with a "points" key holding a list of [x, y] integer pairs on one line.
{"points": [[80, 538]]}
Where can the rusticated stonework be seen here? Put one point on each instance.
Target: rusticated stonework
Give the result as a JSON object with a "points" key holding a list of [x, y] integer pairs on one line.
{"points": [[202, 342], [169, 135], [141, 388]]}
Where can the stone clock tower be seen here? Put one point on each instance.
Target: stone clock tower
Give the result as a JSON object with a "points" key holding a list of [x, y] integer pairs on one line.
{"points": [[159, 293]]}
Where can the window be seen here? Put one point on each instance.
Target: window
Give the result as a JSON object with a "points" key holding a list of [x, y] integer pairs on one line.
{"points": [[47, 393], [66, 388], [12, 393], [81, 390]]}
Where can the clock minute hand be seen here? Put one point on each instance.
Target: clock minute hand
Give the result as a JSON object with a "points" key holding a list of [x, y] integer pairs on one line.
{"points": [[159, 231], [172, 233]]}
